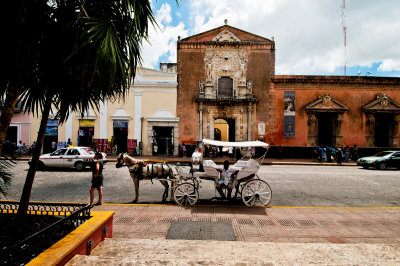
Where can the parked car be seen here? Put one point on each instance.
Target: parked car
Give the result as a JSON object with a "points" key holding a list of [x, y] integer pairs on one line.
{"points": [[381, 160], [78, 157]]}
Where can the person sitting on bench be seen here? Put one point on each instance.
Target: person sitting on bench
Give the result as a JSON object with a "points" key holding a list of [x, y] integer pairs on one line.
{"points": [[225, 179]]}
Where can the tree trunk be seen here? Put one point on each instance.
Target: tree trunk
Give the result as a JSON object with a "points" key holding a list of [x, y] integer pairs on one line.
{"points": [[26, 193], [7, 113]]}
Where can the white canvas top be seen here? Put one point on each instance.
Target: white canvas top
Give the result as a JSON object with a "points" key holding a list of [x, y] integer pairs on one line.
{"points": [[255, 143]]}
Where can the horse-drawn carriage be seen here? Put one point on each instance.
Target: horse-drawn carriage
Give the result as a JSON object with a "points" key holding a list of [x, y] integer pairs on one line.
{"points": [[251, 189], [185, 178]]}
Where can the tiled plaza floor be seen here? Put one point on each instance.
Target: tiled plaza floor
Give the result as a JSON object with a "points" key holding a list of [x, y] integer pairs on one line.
{"points": [[275, 224]]}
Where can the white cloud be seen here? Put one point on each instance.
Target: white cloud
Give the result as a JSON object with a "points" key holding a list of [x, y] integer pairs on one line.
{"points": [[308, 33], [389, 65], [164, 14], [162, 39]]}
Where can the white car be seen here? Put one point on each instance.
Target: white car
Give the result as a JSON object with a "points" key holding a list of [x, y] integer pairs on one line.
{"points": [[78, 157]]}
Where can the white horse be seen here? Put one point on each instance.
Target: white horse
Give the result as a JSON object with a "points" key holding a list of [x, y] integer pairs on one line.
{"points": [[140, 169]]}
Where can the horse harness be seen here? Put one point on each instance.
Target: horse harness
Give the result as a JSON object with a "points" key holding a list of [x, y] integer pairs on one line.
{"points": [[150, 170]]}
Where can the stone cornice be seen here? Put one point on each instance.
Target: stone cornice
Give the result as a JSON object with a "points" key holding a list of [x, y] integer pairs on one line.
{"points": [[226, 101], [184, 44], [335, 80]]}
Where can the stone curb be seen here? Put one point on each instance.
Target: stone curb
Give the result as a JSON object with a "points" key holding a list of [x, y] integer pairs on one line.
{"points": [[221, 161]]}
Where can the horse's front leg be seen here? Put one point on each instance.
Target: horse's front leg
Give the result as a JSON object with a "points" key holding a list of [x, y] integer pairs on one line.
{"points": [[136, 183], [165, 194], [173, 186]]}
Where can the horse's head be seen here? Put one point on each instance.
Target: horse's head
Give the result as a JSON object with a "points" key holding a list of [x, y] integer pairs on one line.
{"points": [[120, 160]]}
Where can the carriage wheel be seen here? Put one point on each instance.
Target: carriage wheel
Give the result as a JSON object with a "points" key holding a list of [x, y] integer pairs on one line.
{"points": [[256, 193], [186, 194]]}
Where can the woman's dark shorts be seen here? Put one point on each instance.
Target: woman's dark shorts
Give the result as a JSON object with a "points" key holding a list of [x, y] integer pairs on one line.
{"points": [[97, 182]]}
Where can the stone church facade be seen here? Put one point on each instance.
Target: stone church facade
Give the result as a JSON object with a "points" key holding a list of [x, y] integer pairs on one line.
{"points": [[229, 74]]}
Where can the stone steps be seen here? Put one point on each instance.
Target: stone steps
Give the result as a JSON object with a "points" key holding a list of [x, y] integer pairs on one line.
{"points": [[193, 252]]}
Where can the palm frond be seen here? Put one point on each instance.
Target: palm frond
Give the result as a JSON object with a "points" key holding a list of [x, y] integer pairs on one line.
{"points": [[6, 175]]}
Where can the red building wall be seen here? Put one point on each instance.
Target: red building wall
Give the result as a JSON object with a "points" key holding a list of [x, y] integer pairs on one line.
{"points": [[354, 92]]}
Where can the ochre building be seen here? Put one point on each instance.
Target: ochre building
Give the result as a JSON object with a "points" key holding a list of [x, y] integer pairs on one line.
{"points": [[228, 90]]}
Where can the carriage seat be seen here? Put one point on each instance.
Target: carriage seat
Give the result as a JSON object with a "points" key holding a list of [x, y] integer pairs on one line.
{"points": [[210, 170], [246, 168]]}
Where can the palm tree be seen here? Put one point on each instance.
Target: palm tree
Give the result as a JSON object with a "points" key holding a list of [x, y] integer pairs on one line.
{"points": [[87, 52]]}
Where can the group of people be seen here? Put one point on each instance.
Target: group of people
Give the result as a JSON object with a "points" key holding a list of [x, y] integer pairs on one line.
{"points": [[339, 154], [213, 152]]}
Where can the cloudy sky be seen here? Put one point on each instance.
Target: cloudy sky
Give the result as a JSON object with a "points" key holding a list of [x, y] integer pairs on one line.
{"points": [[308, 33]]}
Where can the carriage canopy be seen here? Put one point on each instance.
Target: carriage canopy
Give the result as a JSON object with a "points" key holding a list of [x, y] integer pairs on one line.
{"points": [[255, 143]]}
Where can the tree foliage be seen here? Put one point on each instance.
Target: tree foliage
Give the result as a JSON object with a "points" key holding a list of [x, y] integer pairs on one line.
{"points": [[71, 55], [6, 167]]}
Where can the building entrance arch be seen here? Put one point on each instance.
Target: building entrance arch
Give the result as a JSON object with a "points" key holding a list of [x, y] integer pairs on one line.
{"points": [[224, 129]]}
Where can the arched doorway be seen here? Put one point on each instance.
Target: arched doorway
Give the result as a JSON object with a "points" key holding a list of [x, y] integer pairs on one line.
{"points": [[224, 129], [221, 130]]}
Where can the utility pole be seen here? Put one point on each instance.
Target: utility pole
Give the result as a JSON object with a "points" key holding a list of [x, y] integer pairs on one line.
{"points": [[344, 27]]}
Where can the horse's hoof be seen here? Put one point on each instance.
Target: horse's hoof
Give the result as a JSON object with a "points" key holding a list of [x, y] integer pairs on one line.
{"points": [[134, 201]]}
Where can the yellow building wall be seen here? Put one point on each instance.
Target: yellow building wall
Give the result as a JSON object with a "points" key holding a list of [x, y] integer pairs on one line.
{"points": [[224, 130], [153, 99]]}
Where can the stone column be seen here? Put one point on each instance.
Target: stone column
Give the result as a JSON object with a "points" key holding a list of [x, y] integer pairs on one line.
{"points": [[249, 122], [103, 120], [370, 130], [211, 127], [312, 130], [200, 121], [395, 132], [339, 137], [68, 128]]}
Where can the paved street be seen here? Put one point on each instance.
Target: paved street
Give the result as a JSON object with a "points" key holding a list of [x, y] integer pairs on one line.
{"points": [[292, 185], [287, 233]]}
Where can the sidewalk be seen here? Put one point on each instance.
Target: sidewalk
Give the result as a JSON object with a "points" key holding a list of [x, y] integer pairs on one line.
{"points": [[173, 235], [220, 160], [271, 224]]}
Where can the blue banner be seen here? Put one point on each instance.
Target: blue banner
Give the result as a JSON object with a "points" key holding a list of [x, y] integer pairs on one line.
{"points": [[120, 123], [51, 131], [289, 114]]}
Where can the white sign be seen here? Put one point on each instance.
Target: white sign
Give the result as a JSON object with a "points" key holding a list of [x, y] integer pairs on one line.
{"points": [[261, 128]]}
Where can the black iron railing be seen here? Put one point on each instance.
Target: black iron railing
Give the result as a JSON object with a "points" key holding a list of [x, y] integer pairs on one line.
{"points": [[43, 208], [70, 217]]}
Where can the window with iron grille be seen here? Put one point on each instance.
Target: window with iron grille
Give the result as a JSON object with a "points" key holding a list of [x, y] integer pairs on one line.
{"points": [[225, 87]]}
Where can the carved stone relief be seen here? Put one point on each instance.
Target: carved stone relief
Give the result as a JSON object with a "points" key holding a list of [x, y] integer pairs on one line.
{"points": [[384, 100], [327, 101], [231, 112], [395, 135], [312, 130], [370, 131], [226, 36], [225, 61]]}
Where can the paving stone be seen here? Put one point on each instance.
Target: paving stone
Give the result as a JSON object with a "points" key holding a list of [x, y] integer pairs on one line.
{"points": [[201, 231], [267, 223]]}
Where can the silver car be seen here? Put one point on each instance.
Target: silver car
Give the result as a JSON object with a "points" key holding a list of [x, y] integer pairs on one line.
{"points": [[78, 157]]}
